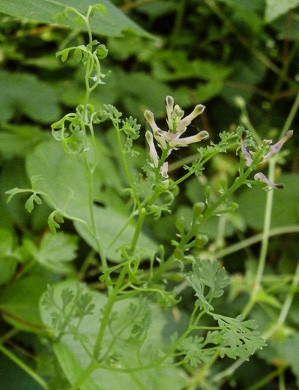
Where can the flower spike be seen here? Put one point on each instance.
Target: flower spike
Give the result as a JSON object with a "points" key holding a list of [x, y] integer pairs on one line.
{"points": [[170, 140]]}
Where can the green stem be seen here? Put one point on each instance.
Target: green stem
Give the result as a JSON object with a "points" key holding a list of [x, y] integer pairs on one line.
{"points": [[254, 239], [267, 220], [91, 213], [286, 306], [23, 366], [107, 311], [291, 116], [265, 242], [137, 232], [87, 372], [266, 379], [124, 158]]}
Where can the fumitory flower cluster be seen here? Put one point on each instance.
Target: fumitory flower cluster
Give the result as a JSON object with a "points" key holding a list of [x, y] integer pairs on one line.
{"points": [[273, 150], [171, 140]]}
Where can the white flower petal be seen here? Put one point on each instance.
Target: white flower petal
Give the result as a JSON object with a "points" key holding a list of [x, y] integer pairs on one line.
{"points": [[189, 140], [181, 128], [164, 170], [153, 153], [245, 152]]}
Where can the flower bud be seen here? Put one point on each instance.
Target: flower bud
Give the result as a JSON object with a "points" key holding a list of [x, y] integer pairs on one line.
{"points": [[201, 240], [102, 52], [180, 224], [198, 208], [179, 254]]}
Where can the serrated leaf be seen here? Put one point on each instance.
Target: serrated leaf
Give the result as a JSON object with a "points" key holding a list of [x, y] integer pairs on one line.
{"points": [[240, 339], [206, 273]]}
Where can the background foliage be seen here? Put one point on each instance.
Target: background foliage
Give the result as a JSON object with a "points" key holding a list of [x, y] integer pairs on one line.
{"points": [[240, 59]]}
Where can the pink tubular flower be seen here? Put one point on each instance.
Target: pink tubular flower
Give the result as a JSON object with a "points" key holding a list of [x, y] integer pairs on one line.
{"points": [[177, 126], [273, 150], [260, 176], [276, 147]]}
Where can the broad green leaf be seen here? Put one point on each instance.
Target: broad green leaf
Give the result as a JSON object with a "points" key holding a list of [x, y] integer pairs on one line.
{"points": [[124, 349], [252, 203], [275, 8], [113, 24], [7, 263], [63, 177], [65, 180], [57, 251], [108, 223], [22, 93], [19, 303], [18, 140]]}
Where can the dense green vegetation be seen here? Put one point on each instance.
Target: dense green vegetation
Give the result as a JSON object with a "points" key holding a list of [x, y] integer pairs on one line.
{"points": [[135, 258]]}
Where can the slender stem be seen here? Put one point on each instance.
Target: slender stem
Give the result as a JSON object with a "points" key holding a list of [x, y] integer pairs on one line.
{"points": [[86, 373], [291, 116], [91, 213], [253, 240], [137, 232], [23, 366], [265, 241], [208, 214], [266, 379], [267, 220], [124, 158], [286, 306], [178, 22]]}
